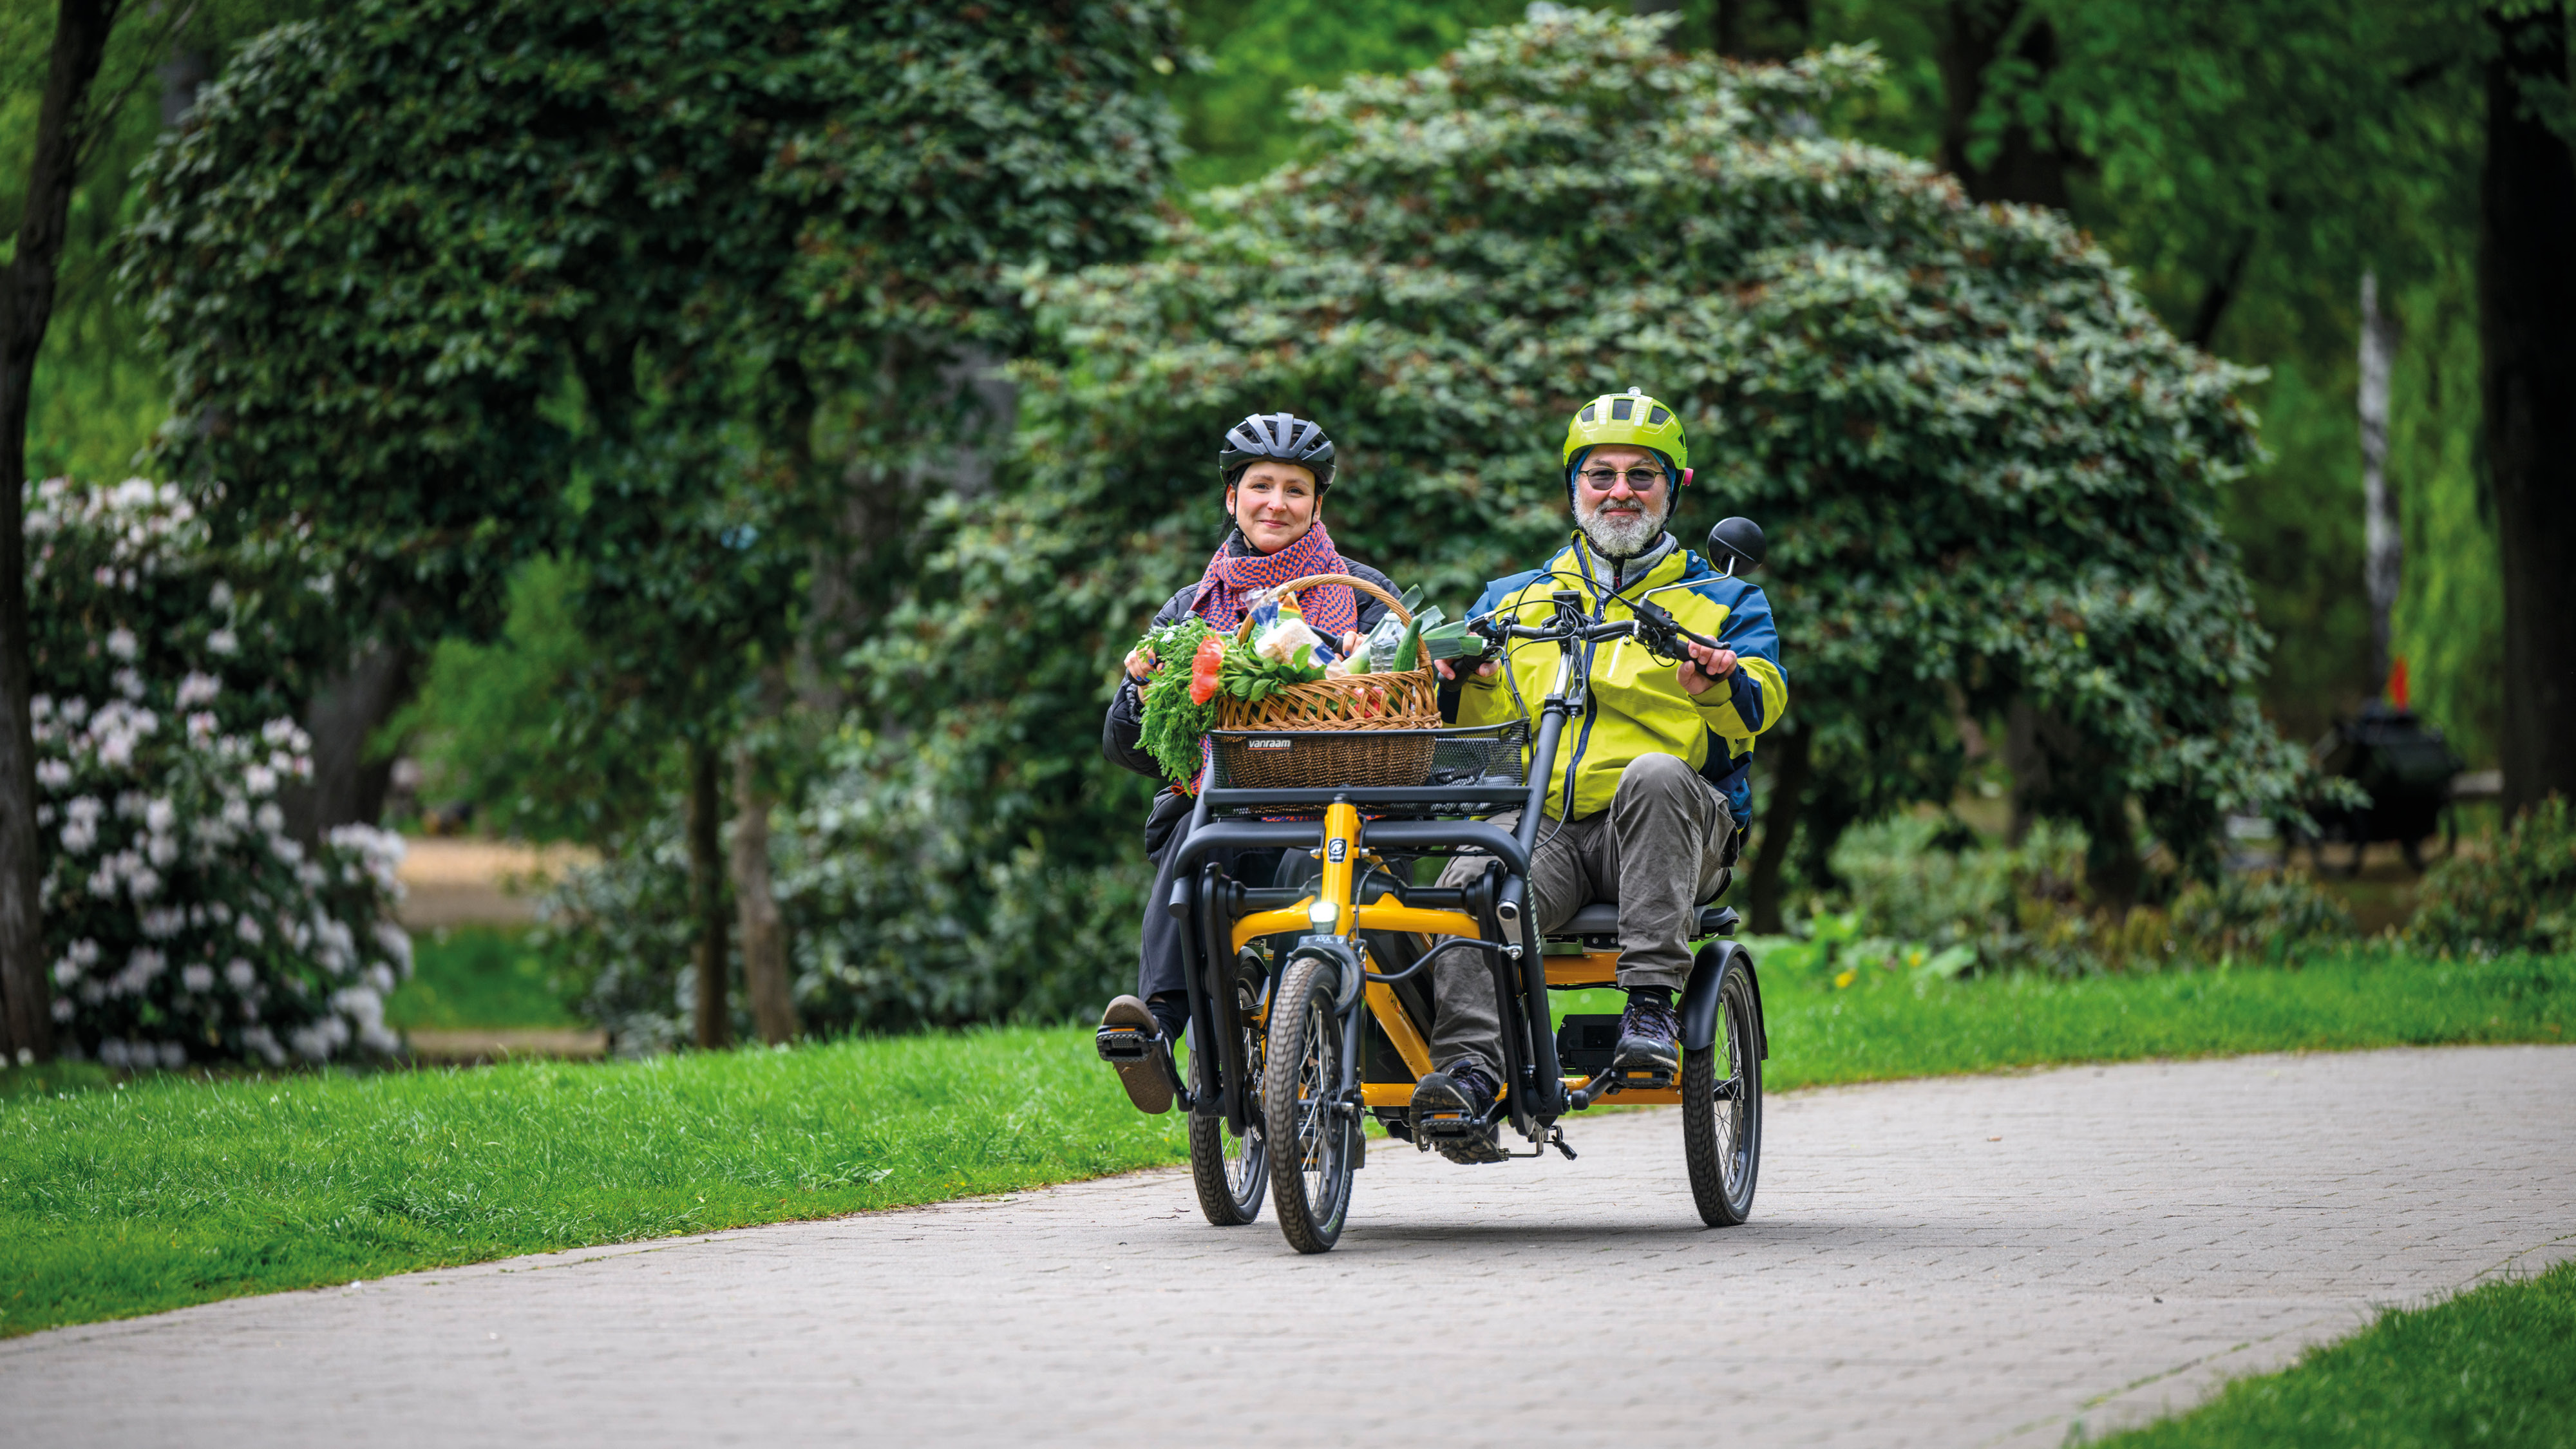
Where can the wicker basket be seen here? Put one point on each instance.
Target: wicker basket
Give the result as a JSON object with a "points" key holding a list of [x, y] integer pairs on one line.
{"points": [[1376, 722]]}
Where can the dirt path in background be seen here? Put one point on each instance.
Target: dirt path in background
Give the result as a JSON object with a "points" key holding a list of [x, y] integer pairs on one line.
{"points": [[457, 882]]}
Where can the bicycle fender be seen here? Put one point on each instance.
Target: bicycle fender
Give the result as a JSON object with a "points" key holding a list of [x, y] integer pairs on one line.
{"points": [[1346, 966], [1699, 999]]}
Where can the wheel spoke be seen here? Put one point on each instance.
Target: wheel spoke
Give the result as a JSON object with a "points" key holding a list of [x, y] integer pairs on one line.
{"points": [[1308, 1155]]}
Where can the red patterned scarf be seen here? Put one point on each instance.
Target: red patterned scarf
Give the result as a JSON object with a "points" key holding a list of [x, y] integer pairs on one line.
{"points": [[1329, 608]]}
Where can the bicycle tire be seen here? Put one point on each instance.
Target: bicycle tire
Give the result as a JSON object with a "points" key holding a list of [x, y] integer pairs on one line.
{"points": [[1230, 1187], [1311, 1143], [1722, 1127]]}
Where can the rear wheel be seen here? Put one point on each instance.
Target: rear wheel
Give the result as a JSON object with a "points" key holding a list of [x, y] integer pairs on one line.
{"points": [[1231, 1173], [1312, 1142], [1722, 1104]]}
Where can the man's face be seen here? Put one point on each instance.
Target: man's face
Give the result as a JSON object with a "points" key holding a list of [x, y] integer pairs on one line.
{"points": [[1620, 511]]}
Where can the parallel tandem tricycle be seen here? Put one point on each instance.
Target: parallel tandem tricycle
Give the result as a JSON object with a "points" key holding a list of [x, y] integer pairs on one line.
{"points": [[1309, 993]]}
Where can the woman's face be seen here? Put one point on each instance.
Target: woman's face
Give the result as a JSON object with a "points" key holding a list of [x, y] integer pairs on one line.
{"points": [[1274, 504]]}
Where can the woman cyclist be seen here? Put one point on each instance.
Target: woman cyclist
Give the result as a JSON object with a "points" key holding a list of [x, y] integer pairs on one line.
{"points": [[1276, 470]]}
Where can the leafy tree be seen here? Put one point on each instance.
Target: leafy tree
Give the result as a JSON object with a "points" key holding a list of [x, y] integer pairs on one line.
{"points": [[1985, 465], [682, 289], [1237, 105]]}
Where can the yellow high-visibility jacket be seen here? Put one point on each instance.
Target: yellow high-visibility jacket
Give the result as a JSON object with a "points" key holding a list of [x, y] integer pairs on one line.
{"points": [[1637, 706]]}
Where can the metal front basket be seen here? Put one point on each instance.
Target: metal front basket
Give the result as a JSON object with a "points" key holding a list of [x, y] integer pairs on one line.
{"points": [[1360, 759]]}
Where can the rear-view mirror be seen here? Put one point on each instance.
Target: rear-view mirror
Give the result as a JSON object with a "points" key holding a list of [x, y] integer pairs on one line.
{"points": [[1736, 544]]}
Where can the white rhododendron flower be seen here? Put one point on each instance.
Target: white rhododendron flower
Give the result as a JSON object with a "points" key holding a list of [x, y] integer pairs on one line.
{"points": [[180, 918]]}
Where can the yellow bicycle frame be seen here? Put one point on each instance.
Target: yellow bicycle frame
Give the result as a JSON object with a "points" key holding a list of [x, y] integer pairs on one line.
{"points": [[1343, 856]]}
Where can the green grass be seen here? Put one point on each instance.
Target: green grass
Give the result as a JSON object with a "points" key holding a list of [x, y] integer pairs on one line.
{"points": [[1885, 1026], [165, 1191], [475, 976], [168, 1191], [52, 1078], [2494, 1366]]}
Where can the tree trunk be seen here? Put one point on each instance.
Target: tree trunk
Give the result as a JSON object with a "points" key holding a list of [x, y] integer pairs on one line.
{"points": [[26, 310], [706, 897], [764, 939], [2220, 294], [2527, 333], [347, 787], [2027, 169], [1763, 29], [2112, 869], [2057, 772], [1779, 825], [2384, 548], [2030, 770]]}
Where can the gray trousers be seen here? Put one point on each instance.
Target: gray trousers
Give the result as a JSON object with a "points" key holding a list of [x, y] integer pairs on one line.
{"points": [[1657, 851]]}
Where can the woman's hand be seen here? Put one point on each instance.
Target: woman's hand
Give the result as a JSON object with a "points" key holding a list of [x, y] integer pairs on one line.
{"points": [[1704, 668], [1141, 663], [1483, 671], [1352, 639]]}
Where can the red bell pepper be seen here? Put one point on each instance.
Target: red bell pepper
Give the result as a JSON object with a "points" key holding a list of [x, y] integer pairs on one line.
{"points": [[1205, 666]]}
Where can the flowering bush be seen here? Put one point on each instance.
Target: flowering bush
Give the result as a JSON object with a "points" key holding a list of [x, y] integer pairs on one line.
{"points": [[904, 912], [126, 587], [2520, 895], [1911, 901], [896, 920], [620, 933], [182, 921]]}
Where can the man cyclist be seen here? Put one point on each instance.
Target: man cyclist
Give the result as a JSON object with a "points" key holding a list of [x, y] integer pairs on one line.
{"points": [[1651, 781]]}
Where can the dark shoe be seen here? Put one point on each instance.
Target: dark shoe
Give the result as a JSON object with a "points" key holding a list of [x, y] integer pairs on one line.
{"points": [[1448, 1113], [1130, 1041], [1650, 1040]]}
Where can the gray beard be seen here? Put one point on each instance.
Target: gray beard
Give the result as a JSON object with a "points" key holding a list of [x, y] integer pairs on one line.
{"points": [[1623, 537]]}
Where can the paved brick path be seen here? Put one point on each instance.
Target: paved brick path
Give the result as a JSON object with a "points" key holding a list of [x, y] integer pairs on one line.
{"points": [[2137, 1234]]}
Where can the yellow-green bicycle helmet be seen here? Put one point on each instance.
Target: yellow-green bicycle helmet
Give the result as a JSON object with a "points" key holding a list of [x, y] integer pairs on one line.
{"points": [[1629, 419]]}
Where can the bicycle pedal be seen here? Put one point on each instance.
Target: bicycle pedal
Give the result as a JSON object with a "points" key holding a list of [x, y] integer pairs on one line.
{"points": [[1447, 1124], [1126, 1043], [1642, 1082]]}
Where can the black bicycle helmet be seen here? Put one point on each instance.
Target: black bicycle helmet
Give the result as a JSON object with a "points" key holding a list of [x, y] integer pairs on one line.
{"points": [[1278, 438]]}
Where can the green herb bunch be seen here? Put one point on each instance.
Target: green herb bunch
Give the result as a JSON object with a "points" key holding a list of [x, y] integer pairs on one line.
{"points": [[1173, 725], [1251, 678]]}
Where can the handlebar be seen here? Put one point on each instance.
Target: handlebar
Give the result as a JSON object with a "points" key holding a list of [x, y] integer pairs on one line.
{"points": [[1651, 624]]}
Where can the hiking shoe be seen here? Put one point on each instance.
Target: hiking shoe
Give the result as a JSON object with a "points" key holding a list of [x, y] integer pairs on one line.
{"points": [[1130, 1041], [1448, 1114], [1650, 1040]]}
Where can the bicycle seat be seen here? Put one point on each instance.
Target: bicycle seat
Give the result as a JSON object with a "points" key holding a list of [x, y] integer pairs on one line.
{"points": [[1599, 921]]}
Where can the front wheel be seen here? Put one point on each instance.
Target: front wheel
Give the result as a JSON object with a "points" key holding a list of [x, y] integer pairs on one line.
{"points": [[1312, 1141], [1722, 1116], [1230, 1173]]}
